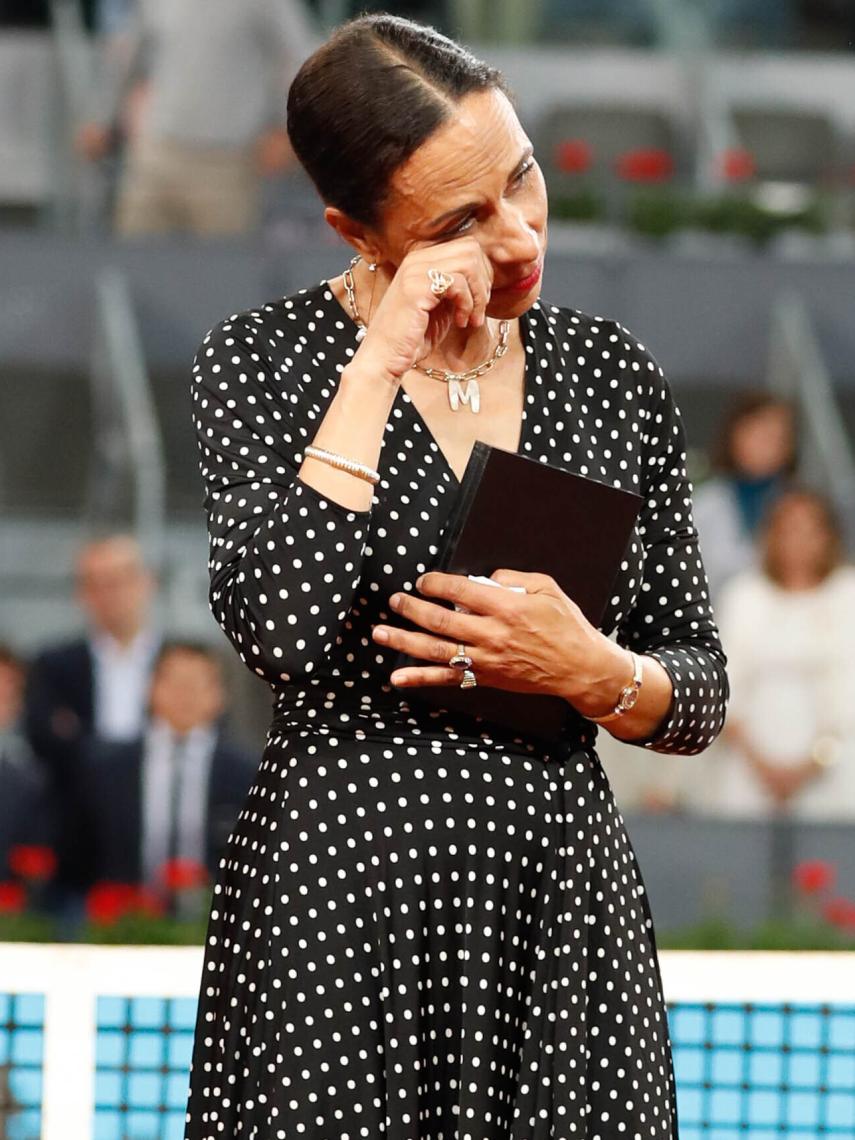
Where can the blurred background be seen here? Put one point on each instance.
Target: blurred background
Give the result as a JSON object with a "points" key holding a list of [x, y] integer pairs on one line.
{"points": [[700, 158]]}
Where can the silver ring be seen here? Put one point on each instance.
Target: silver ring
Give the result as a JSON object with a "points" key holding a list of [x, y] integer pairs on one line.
{"points": [[461, 659], [468, 680], [440, 282]]}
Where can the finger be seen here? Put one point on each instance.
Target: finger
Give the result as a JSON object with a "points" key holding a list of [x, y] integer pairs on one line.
{"points": [[438, 619], [534, 581], [425, 676], [460, 295], [457, 588], [422, 646], [479, 286]]}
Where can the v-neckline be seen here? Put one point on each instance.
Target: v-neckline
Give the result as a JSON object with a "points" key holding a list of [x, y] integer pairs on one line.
{"points": [[403, 397]]}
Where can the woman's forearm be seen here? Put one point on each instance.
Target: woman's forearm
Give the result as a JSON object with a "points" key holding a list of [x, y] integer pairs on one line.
{"points": [[353, 427]]}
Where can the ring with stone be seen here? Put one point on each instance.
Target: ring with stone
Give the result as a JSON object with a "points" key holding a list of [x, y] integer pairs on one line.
{"points": [[461, 659], [440, 282], [468, 680]]}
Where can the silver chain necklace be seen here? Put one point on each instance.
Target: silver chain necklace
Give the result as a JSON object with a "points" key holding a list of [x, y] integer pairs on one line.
{"points": [[462, 386]]}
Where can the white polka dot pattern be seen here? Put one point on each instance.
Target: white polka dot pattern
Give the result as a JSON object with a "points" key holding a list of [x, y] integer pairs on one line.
{"points": [[422, 928]]}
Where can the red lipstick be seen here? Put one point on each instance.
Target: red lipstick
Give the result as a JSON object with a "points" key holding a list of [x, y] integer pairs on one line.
{"points": [[524, 284]]}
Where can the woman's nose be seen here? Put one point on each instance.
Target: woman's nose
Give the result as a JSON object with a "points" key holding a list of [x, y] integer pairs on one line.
{"points": [[516, 239]]}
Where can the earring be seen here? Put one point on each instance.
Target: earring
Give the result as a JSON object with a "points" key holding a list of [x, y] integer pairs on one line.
{"points": [[372, 266]]}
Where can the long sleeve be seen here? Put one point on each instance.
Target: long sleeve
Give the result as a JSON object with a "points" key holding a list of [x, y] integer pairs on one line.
{"points": [[283, 561], [672, 619]]}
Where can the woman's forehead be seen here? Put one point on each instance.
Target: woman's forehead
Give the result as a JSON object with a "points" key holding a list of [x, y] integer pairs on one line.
{"points": [[476, 148]]}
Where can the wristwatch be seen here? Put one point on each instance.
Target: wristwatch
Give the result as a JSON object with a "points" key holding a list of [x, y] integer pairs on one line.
{"points": [[628, 695]]}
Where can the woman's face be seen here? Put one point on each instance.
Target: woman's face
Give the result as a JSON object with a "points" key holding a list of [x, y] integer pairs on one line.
{"points": [[475, 175], [799, 539], [762, 443]]}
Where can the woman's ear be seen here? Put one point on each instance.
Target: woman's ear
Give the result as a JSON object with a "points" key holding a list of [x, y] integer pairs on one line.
{"points": [[354, 233]]}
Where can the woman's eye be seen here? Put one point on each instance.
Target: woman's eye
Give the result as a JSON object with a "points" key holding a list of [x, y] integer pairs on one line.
{"points": [[521, 175], [461, 227]]}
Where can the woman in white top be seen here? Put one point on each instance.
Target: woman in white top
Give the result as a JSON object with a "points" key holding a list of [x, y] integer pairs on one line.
{"points": [[789, 626]]}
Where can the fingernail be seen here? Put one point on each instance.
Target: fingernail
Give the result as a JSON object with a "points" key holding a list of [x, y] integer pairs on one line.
{"points": [[380, 634], [395, 601], [397, 678], [420, 581]]}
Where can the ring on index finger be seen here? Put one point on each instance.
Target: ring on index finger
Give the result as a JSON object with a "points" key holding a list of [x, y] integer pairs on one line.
{"points": [[440, 282]]}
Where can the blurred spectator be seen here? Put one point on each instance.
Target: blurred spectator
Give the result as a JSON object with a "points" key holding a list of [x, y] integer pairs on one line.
{"points": [[97, 685], [175, 792], [788, 628], [94, 687], [200, 88], [753, 459], [23, 792]]}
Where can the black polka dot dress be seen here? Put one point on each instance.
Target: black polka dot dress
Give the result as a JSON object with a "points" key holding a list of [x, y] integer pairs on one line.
{"points": [[424, 928]]}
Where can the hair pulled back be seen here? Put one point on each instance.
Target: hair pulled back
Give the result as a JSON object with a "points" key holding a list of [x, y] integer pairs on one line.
{"points": [[361, 105]]}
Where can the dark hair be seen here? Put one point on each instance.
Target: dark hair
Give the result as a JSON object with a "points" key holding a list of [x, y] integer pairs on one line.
{"points": [[795, 492], [196, 648], [742, 408], [368, 98]]}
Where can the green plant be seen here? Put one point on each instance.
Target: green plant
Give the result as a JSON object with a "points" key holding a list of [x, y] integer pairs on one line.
{"points": [[585, 205]]}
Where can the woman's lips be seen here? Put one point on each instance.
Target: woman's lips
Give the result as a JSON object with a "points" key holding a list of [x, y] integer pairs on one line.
{"points": [[524, 284]]}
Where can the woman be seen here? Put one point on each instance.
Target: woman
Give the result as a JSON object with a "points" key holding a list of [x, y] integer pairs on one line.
{"points": [[754, 458], [424, 926], [790, 626]]}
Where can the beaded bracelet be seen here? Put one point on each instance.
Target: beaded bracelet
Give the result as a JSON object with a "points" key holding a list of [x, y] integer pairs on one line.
{"points": [[360, 470]]}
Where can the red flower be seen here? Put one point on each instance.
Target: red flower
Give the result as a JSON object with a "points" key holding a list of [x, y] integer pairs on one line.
{"points": [[737, 164], [32, 862], [183, 874], [814, 876], [573, 156], [13, 898], [840, 912], [651, 165], [107, 902]]}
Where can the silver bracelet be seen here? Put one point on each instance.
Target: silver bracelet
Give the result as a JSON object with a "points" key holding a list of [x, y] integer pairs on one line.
{"points": [[360, 470]]}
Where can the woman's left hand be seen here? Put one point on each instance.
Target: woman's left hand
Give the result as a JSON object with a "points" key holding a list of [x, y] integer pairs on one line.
{"points": [[537, 642]]}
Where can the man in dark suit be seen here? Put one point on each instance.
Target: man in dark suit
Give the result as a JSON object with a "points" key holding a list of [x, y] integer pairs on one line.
{"points": [[97, 685], [175, 792]]}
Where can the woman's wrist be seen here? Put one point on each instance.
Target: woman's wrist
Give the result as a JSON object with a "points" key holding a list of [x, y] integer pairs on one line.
{"points": [[368, 376], [612, 669]]}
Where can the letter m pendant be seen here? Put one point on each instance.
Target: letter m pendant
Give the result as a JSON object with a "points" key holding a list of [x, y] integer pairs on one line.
{"points": [[463, 392]]}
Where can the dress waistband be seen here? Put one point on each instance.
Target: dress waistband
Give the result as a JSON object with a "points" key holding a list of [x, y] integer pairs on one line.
{"points": [[360, 708]]}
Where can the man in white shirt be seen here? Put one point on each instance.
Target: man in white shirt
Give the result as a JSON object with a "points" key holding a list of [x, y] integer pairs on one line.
{"points": [[97, 684], [174, 793]]}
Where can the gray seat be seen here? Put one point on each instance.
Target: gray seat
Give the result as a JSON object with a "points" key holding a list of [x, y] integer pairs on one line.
{"points": [[790, 145], [607, 133]]}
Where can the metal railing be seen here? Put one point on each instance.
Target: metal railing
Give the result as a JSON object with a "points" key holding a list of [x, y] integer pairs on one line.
{"points": [[73, 978], [127, 475], [797, 371]]}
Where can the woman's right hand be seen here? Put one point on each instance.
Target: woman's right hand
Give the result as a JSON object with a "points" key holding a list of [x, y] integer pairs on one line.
{"points": [[411, 320]]}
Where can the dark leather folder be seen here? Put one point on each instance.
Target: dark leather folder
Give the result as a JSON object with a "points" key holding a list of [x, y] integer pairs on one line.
{"points": [[516, 513]]}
